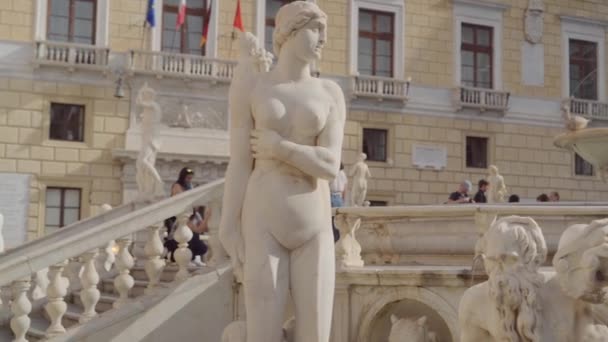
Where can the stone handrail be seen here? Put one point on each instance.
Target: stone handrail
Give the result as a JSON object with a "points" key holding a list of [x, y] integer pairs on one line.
{"points": [[400, 231], [481, 98], [88, 238], [71, 54], [181, 65], [590, 109], [380, 88]]}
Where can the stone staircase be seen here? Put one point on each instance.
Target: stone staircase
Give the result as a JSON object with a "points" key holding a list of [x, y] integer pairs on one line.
{"points": [[82, 287], [40, 320]]}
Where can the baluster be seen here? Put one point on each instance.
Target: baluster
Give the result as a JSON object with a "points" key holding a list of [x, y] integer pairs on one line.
{"points": [[124, 281], [106, 258], [183, 255], [5, 297], [56, 307], [72, 272], [21, 308], [40, 284], [218, 254], [89, 278], [187, 66], [154, 264]]}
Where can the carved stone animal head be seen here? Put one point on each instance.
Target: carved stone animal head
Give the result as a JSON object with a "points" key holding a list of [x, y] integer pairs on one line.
{"points": [[581, 261], [409, 330]]}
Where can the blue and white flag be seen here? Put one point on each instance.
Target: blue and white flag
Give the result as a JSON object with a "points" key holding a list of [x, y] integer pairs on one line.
{"points": [[150, 17]]}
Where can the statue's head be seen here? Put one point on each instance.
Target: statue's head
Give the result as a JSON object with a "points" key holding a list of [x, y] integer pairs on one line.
{"points": [[581, 261], [493, 170], [362, 157], [301, 26], [146, 94], [513, 250]]}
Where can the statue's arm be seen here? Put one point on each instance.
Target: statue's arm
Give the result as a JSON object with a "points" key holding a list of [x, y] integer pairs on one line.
{"points": [[322, 160], [469, 330], [237, 175]]}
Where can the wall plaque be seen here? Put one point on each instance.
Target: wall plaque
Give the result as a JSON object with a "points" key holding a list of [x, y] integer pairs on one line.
{"points": [[429, 156], [14, 202]]}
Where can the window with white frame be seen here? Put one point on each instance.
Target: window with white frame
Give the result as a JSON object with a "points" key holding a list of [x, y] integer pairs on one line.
{"points": [[73, 21], [376, 42], [188, 38], [377, 38], [478, 43], [62, 207], [583, 50]]}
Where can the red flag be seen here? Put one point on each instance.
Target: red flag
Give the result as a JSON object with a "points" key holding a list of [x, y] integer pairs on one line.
{"points": [[207, 19], [181, 15], [238, 21]]}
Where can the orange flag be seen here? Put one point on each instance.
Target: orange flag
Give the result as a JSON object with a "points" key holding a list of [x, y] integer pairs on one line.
{"points": [[238, 20], [207, 19]]}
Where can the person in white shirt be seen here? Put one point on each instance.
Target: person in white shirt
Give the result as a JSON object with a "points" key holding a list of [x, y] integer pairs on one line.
{"points": [[337, 188]]}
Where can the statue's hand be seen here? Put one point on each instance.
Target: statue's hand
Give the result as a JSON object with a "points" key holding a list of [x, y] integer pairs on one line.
{"points": [[264, 143]]}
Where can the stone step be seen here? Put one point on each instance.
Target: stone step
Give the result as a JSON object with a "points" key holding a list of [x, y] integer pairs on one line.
{"points": [[168, 275], [107, 286]]}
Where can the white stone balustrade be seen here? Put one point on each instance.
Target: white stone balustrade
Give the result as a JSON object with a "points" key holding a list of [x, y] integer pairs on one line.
{"points": [[124, 281], [481, 98], [18, 283], [183, 255], [380, 88], [56, 307], [153, 250], [162, 63], [21, 308], [589, 109], [71, 55], [407, 235], [217, 252], [89, 278]]}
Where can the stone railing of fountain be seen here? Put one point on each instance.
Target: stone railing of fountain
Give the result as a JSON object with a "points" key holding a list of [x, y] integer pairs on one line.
{"points": [[416, 261], [440, 234], [20, 267]]}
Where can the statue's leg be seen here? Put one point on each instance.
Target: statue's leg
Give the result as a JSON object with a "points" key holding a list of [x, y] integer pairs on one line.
{"points": [[266, 285], [312, 283]]}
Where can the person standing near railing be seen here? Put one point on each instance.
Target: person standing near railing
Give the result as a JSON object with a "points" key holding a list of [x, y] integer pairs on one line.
{"points": [[337, 188], [197, 221]]}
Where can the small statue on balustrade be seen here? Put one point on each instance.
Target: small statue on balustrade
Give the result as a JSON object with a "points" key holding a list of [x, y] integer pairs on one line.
{"points": [[360, 174], [497, 191]]}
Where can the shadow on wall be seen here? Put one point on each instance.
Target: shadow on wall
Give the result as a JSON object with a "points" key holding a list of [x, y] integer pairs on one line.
{"points": [[409, 309]]}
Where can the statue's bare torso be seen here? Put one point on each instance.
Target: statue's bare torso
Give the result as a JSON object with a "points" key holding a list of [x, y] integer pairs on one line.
{"points": [[298, 112]]}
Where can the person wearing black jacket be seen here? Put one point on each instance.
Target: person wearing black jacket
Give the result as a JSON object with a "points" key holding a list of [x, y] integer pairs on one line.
{"points": [[480, 196]]}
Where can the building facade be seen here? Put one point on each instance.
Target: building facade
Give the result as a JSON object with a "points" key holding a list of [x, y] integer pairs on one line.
{"points": [[437, 90]]}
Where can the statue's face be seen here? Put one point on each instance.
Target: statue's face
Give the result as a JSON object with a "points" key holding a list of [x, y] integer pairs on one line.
{"points": [[501, 252], [310, 39]]}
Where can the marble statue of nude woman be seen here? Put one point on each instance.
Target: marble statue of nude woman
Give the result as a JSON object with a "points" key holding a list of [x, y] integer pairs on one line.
{"points": [[286, 130]]}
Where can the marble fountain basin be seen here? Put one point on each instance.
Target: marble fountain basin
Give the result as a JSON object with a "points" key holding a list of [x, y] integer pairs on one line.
{"points": [[590, 143]]}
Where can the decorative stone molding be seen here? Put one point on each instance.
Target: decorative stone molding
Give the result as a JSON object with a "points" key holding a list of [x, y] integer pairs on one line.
{"points": [[533, 22]]}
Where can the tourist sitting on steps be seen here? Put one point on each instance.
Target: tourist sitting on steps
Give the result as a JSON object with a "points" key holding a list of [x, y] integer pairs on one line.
{"points": [[198, 223]]}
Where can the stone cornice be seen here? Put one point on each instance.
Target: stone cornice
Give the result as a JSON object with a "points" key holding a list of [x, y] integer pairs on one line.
{"points": [[129, 156], [482, 4], [583, 21]]}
